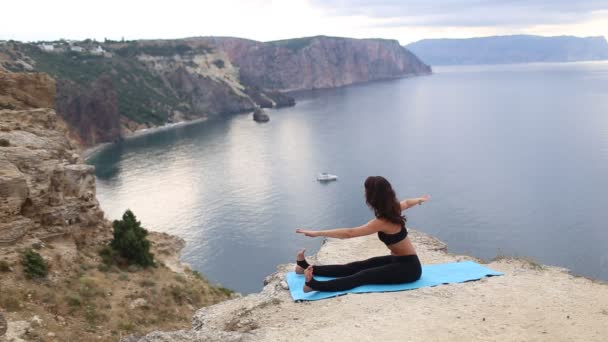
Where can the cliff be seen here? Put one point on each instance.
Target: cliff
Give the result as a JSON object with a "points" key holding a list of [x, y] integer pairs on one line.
{"points": [[530, 302], [319, 62], [108, 90], [46, 190], [48, 204], [510, 49], [91, 111]]}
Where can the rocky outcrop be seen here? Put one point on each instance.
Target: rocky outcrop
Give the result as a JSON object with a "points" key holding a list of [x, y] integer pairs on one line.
{"points": [[26, 90], [46, 189], [260, 115], [92, 112], [318, 62], [269, 99], [207, 95]]}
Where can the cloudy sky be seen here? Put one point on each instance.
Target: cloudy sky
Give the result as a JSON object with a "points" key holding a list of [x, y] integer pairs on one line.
{"points": [[405, 20]]}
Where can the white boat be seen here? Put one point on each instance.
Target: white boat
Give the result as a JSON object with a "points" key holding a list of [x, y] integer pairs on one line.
{"points": [[326, 177]]}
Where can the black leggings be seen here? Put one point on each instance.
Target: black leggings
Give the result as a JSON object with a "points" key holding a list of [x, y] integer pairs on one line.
{"points": [[388, 269]]}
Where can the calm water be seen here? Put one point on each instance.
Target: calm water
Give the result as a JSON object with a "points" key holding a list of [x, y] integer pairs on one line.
{"points": [[515, 158]]}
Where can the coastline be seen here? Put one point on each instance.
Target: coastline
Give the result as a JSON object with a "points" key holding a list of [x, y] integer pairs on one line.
{"points": [[89, 152], [530, 302]]}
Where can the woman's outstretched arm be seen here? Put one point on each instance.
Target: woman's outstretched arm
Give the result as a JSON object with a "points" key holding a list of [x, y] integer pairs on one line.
{"points": [[410, 202], [371, 227]]}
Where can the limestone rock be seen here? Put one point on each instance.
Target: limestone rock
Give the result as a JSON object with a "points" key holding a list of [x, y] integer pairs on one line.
{"points": [[259, 115], [13, 189], [138, 303], [46, 190]]}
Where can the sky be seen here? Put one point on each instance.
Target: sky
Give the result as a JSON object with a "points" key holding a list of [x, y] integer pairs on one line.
{"points": [[264, 20]]}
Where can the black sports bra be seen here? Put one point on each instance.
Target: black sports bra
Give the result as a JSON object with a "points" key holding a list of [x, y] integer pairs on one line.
{"points": [[391, 239]]}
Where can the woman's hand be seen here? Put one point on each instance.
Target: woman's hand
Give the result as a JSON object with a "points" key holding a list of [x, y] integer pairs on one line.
{"points": [[423, 199], [309, 233]]}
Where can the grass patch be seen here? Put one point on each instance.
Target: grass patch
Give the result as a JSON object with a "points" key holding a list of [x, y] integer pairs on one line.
{"points": [[104, 268], [184, 294], [126, 326], [147, 283], [10, 299], [73, 301], [180, 278], [91, 315], [88, 288]]}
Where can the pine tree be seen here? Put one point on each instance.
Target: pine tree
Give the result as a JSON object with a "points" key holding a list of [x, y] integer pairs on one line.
{"points": [[33, 264], [130, 241]]}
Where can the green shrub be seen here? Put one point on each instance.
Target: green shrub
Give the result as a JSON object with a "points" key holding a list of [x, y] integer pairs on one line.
{"points": [[224, 290], [126, 326], [198, 275], [130, 241], [103, 268], [33, 264], [107, 255]]}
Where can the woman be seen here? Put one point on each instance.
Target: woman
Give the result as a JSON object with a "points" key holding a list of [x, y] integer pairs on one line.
{"points": [[402, 266]]}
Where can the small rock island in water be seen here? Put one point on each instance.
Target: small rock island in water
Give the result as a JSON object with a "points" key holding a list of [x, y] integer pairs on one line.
{"points": [[260, 115]]}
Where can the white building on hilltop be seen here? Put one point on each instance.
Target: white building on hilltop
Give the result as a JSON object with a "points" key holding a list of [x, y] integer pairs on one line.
{"points": [[46, 47], [98, 50]]}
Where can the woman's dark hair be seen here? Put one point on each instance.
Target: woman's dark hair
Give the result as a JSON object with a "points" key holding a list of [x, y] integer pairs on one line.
{"points": [[380, 196]]}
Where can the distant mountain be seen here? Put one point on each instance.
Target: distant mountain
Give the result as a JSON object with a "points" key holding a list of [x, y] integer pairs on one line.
{"points": [[510, 49]]}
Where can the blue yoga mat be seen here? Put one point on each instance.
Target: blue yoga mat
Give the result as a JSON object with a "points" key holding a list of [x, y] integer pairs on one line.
{"points": [[432, 275]]}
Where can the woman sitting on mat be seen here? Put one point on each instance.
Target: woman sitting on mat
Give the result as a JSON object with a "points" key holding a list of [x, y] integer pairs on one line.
{"points": [[402, 266]]}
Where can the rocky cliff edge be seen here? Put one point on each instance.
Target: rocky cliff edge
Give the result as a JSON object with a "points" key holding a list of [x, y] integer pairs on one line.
{"points": [[530, 302]]}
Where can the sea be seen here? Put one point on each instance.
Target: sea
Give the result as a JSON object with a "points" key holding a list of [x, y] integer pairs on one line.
{"points": [[514, 157]]}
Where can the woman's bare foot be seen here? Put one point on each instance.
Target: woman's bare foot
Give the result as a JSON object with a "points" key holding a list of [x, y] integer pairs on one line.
{"points": [[300, 257], [308, 276]]}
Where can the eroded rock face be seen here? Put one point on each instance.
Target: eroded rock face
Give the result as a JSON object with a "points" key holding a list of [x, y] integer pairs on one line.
{"points": [[45, 188], [319, 62], [92, 112], [208, 95]]}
